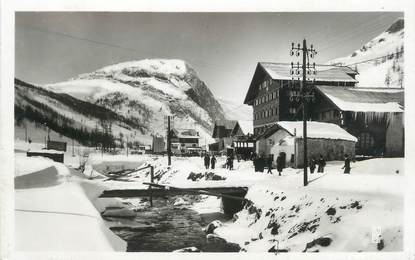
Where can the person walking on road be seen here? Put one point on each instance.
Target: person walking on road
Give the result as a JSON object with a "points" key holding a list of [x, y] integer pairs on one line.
{"points": [[207, 161], [269, 164], [346, 166], [321, 164], [280, 164], [213, 162]]}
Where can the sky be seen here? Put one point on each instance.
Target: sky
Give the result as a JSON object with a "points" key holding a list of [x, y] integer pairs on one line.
{"points": [[223, 48]]}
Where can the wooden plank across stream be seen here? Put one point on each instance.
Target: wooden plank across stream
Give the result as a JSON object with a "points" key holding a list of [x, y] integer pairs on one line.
{"points": [[130, 193]]}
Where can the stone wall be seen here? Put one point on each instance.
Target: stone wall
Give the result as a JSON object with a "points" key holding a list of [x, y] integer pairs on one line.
{"points": [[330, 149]]}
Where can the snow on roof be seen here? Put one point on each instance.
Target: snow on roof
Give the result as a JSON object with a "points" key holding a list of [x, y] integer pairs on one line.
{"points": [[316, 130], [281, 71], [364, 99], [246, 126]]}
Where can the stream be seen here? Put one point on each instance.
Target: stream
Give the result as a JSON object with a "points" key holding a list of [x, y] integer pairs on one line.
{"points": [[166, 227]]}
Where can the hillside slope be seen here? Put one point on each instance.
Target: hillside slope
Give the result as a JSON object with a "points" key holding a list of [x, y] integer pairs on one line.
{"points": [[380, 61], [136, 95]]}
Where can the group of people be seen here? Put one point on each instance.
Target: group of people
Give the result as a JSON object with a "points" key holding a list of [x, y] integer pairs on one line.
{"points": [[260, 162], [210, 161], [320, 163]]}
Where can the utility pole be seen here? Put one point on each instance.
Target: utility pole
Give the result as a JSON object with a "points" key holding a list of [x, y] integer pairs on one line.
{"points": [[168, 141], [127, 145], [73, 148], [25, 132], [306, 94]]}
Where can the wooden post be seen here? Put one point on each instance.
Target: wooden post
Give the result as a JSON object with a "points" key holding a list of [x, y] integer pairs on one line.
{"points": [[151, 180]]}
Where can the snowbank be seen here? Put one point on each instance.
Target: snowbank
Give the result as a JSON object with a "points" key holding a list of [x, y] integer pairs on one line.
{"points": [[57, 217], [340, 209]]}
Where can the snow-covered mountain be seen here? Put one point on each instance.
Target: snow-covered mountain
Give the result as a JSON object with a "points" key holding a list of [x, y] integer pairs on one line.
{"points": [[132, 98], [380, 61]]}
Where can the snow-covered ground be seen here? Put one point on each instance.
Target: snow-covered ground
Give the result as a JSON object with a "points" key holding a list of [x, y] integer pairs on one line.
{"points": [[335, 212], [340, 208]]}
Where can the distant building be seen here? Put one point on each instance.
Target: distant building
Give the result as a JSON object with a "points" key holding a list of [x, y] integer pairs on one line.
{"points": [[183, 139], [224, 132], [286, 138], [159, 146]]}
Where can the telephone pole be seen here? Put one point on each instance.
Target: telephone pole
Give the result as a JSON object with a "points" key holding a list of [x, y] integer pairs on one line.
{"points": [[127, 145], [306, 94]]}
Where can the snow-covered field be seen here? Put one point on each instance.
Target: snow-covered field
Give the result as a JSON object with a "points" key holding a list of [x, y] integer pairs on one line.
{"points": [[335, 212]]}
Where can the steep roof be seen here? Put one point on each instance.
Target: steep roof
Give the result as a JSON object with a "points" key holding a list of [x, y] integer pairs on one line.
{"points": [[324, 73], [315, 130], [364, 99], [229, 127], [281, 71]]}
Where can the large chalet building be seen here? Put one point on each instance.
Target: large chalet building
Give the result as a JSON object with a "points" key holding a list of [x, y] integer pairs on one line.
{"points": [[374, 116]]}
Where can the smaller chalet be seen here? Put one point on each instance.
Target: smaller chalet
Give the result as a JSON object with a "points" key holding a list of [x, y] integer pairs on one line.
{"points": [[224, 133], [286, 137], [184, 140]]}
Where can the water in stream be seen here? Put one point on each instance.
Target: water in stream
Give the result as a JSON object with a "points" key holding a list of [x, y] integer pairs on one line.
{"points": [[166, 227]]}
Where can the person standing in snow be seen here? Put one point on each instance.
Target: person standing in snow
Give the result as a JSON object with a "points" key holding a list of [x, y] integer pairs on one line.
{"points": [[312, 165], [321, 164], [261, 163], [346, 166], [280, 164], [207, 161], [255, 161], [231, 158], [213, 162], [269, 164]]}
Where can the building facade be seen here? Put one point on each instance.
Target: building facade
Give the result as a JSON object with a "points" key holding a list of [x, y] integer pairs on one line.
{"points": [[373, 115], [184, 139], [273, 94]]}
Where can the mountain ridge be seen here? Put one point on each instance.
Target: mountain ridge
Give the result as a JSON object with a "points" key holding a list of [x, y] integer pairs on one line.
{"points": [[141, 93]]}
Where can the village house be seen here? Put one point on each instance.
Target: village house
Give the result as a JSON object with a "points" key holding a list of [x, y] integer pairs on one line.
{"points": [[374, 116], [184, 140], [286, 138], [224, 133]]}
